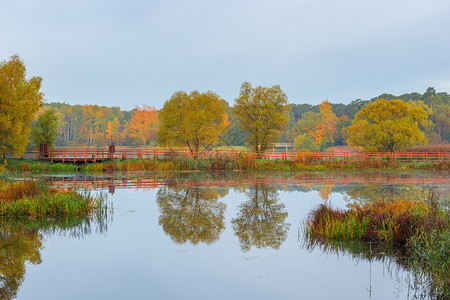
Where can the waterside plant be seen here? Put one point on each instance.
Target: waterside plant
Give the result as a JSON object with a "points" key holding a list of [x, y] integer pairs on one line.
{"points": [[302, 162], [244, 162], [34, 199], [416, 230]]}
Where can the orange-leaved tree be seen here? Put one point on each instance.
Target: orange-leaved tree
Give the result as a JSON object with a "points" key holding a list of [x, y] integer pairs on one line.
{"points": [[143, 124], [321, 127]]}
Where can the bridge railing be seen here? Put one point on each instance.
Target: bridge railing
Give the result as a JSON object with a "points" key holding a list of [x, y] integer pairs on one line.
{"points": [[101, 154]]}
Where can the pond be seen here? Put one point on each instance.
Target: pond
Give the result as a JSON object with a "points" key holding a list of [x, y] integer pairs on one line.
{"points": [[207, 236]]}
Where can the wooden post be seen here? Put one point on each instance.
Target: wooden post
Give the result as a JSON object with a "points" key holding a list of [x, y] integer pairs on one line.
{"points": [[75, 156]]}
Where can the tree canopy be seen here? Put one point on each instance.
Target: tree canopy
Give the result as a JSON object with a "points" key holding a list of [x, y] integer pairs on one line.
{"points": [[192, 120], [44, 129], [19, 101], [262, 113], [142, 125], [387, 125], [320, 127]]}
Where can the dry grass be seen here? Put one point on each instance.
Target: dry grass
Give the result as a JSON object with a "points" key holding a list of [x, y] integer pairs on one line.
{"points": [[430, 148], [14, 191]]}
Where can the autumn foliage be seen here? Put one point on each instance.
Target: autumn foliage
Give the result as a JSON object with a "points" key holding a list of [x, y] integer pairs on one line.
{"points": [[387, 126], [19, 101], [142, 125]]}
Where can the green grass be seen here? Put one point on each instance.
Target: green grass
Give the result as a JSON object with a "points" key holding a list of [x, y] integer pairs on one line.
{"points": [[15, 165]]}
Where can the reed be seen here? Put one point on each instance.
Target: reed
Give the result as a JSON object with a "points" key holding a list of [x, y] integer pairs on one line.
{"points": [[31, 198], [419, 229], [243, 161]]}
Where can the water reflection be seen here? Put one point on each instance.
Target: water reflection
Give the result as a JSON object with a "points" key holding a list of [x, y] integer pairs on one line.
{"points": [[261, 221], [17, 247], [394, 259], [191, 214], [325, 181], [362, 194], [21, 242]]}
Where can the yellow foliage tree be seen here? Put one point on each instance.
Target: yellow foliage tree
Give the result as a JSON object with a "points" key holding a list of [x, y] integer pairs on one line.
{"points": [[19, 101], [192, 120], [262, 113], [387, 126]]}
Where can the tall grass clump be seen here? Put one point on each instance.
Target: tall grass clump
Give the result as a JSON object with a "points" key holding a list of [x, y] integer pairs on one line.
{"points": [[17, 165], [418, 229], [34, 199]]}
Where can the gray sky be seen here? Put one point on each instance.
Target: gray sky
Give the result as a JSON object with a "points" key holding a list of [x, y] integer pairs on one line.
{"points": [[127, 53]]}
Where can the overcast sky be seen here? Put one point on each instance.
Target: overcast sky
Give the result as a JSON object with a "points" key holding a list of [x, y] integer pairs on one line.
{"points": [[127, 53]]}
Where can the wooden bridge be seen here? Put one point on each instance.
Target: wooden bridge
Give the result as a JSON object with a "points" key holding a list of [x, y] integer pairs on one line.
{"points": [[85, 155]]}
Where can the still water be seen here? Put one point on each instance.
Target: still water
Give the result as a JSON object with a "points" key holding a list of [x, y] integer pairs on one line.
{"points": [[206, 236]]}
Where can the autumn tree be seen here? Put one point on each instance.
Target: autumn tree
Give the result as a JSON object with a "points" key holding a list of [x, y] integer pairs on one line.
{"points": [[387, 125], [142, 125], [19, 101], [320, 127], [44, 128], [193, 120], [262, 113]]}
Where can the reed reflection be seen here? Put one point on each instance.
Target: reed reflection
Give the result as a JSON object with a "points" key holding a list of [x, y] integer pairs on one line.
{"points": [[21, 242], [261, 221], [191, 214]]}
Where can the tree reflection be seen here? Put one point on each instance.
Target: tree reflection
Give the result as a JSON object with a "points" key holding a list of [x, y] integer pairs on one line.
{"points": [[362, 194], [21, 243], [17, 247], [191, 214], [261, 220]]}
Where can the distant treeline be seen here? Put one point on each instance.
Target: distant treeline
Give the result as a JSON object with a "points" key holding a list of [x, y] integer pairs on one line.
{"points": [[98, 126]]}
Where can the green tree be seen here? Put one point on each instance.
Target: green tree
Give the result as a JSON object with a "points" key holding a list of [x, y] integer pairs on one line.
{"points": [[303, 142], [44, 129], [192, 120], [387, 125], [19, 101], [441, 117], [262, 112]]}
